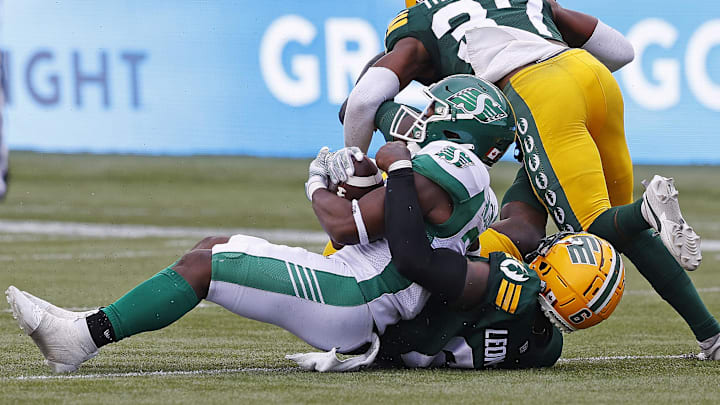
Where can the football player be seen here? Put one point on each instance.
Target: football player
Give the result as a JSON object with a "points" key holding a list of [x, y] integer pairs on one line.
{"points": [[497, 321], [356, 290], [577, 167], [333, 303]]}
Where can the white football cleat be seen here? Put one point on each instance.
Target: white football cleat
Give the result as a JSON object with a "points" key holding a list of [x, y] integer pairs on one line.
{"points": [[661, 210], [710, 348], [65, 343], [55, 310]]}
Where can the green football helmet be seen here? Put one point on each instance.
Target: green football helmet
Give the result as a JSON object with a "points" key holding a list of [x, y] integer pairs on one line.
{"points": [[462, 109]]}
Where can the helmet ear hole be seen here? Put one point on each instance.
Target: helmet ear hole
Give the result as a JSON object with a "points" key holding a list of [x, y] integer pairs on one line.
{"points": [[542, 267], [451, 134]]}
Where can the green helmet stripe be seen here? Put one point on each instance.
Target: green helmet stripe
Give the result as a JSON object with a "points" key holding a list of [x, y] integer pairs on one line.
{"points": [[601, 300]]}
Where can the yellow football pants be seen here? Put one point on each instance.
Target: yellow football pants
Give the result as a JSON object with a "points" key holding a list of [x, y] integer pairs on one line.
{"points": [[571, 126]]}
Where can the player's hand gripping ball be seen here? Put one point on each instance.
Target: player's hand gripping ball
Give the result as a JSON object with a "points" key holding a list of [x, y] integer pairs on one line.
{"points": [[365, 178]]}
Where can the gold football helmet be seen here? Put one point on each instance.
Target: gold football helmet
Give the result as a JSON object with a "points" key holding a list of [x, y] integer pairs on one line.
{"points": [[583, 276], [410, 3]]}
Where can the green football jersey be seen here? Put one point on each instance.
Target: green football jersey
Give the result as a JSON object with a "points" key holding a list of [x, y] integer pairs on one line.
{"points": [[441, 25], [507, 330]]}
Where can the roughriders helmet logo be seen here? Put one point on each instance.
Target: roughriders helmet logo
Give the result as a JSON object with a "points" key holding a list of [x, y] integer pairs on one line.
{"points": [[455, 156], [473, 101]]}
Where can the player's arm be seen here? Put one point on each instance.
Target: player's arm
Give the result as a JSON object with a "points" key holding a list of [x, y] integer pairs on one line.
{"points": [[350, 225], [442, 271], [581, 30], [341, 113], [407, 61]]}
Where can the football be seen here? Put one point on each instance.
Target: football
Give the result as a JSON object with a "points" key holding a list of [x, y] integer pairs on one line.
{"points": [[367, 177]]}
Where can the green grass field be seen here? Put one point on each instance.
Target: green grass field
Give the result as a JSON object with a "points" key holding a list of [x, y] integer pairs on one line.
{"points": [[214, 356]]}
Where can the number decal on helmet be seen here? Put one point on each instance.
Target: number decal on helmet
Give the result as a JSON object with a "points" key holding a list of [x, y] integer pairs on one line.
{"points": [[584, 279]]}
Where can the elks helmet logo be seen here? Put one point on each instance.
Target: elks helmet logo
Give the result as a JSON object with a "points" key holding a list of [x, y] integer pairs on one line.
{"points": [[529, 143], [514, 270], [534, 162], [523, 126], [479, 104], [550, 197], [541, 181]]}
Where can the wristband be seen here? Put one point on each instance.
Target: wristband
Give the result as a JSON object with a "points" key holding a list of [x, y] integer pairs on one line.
{"points": [[400, 164], [359, 224], [313, 185]]}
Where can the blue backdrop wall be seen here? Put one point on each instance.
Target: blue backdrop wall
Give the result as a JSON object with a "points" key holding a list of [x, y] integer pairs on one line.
{"points": [[267, 77]]}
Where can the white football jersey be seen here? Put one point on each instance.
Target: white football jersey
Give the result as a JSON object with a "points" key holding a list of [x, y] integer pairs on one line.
{"points": [[465, 178]]}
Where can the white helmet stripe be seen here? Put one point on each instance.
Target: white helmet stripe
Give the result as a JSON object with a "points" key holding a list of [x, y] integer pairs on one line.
{"points": [[613, 279]]}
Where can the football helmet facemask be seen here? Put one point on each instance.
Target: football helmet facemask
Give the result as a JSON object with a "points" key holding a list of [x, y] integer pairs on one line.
{"points": [[583, 276], [462, 109]]}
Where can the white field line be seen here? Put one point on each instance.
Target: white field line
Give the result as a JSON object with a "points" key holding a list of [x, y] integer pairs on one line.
{"points": [[98, 376], [620, 358], [207, 304], [150, 374], [145, 231], [128, 254]]}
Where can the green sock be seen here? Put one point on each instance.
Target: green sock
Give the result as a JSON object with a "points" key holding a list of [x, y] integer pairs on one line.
{"points": [[656, 264], [154, 304], [627, 230], [619, 225]]}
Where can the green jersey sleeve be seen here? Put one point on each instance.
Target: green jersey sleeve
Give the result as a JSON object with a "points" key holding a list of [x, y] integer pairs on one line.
{"points": [[508, 330], [411, 23]]}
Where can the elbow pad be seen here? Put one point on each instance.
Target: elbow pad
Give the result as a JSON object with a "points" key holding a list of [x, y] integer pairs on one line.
{"points": [[609, 47], [378, 84]]}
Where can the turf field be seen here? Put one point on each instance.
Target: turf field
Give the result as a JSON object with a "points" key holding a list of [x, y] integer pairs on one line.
{"points": [[62, 237]]}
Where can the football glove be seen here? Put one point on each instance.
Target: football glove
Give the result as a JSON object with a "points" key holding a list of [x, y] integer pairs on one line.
{"points": [[340, 164], [317, 173]]}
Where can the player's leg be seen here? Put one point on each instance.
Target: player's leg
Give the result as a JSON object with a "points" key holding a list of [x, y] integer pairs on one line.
{"points": [[68, 339], [522, 221], [565, 148], [331, 312], [562, 161], [316, 298], [625, 226]]}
